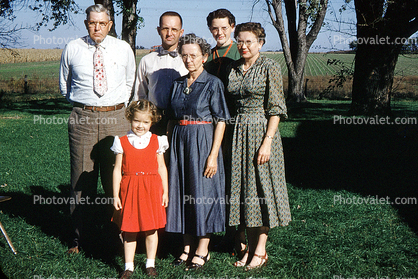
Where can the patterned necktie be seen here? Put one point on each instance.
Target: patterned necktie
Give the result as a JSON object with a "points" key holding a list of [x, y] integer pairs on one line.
{"points": [[99, 78]]}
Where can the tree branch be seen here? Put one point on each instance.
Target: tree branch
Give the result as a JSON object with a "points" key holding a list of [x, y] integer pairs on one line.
{"points": [[313, 33], [278, 23]]}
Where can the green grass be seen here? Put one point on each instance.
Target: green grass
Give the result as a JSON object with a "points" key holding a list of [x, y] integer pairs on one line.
{"points": [[323, 161]]}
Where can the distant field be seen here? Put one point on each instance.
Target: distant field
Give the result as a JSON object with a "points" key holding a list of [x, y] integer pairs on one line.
{"points": [[42, 75], [316, 63], [45, 62]]}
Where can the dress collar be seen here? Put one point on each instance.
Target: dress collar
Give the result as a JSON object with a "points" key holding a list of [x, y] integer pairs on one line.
{"points": [[146, 136], [202, 78], [258, 61]]}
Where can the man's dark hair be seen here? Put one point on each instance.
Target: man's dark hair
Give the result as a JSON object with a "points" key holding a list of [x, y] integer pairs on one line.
{"points": [[171, 13], [220, 13]]}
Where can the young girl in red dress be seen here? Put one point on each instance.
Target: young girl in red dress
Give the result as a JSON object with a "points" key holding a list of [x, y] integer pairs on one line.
{"points": [[140, 184]]}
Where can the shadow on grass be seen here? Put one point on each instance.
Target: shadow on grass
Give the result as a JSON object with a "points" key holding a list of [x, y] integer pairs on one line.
{"points": [[45, 107], [46, 210], [376, 160]]}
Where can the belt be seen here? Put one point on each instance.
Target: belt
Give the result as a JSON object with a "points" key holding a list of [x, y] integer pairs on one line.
{"points": [[139, 173], [99, 108], [186, 122]]}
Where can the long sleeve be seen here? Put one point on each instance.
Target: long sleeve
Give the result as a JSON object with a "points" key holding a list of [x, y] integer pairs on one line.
{"points": [[130, 72], [65, 75], [141, 84]]}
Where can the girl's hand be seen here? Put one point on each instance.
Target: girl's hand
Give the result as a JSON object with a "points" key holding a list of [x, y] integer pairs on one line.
{"points": [[264, 152], [165, 200], [117, 203], [211, 166]]}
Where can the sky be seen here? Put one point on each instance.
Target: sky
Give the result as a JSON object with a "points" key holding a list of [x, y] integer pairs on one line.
{"points": [[194, 13]]}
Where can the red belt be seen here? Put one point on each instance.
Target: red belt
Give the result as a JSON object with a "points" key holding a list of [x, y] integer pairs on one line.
{"points": [[186, 122]]}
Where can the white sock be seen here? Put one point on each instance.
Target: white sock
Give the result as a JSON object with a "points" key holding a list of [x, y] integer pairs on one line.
{"points": [[129, 266], [150, 263]]}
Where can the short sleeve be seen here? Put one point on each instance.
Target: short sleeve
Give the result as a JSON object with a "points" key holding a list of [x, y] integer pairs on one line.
{"points": [[276, 102], [117, 146], [219, 107], [162, 144]]}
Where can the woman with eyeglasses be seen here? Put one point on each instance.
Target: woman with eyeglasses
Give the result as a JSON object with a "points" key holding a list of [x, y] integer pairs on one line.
{"points": [[198, 112], [259, 199]]}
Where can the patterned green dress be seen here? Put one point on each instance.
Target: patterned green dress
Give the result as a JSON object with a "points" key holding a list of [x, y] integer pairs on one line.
{"points": [[258, 192]]}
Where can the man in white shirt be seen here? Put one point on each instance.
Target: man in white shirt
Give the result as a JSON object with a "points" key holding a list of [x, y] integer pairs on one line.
{"points": [[97, 74], [157, 70]]}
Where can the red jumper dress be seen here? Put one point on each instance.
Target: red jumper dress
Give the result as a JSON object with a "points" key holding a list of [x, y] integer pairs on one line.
{"points": [[141, 188]]}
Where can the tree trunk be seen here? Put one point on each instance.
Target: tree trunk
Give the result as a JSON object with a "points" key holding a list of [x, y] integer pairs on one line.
{"points": [[109, 5], [373, 79], [296, 77], [296, 49], [382, 29], [129, 22]]}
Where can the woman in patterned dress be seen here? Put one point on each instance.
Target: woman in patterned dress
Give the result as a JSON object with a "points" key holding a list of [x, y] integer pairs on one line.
{"points": [[259, 198]]}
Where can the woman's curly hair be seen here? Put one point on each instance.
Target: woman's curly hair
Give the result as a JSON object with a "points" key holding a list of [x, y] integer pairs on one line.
{"points": [[193, 39]]}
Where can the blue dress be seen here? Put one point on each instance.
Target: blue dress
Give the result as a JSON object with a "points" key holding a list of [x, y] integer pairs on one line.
{"points": [[196, 203]]}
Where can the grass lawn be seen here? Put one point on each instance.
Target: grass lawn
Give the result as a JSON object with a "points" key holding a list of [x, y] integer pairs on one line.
{"points": [[337, 176]]}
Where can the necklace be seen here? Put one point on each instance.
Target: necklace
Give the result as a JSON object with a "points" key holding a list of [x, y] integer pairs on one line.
{"points": [[217, 54], [187, 90], [246, 70]]}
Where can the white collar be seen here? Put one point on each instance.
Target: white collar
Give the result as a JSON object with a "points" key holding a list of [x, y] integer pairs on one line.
{"points": [[145, 136]]}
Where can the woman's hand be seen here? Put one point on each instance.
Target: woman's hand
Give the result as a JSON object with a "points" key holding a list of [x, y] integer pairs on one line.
{"points": [[165, 200], [264, 152], [117, 203], [211, 166]]}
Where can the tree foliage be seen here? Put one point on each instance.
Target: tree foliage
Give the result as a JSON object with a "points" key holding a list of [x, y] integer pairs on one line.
{"points": [[54, 11]]}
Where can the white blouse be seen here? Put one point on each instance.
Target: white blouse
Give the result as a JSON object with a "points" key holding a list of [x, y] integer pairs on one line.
{"points": [[140, 142]]}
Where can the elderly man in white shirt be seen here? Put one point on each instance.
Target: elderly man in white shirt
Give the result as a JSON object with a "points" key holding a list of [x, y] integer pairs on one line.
{"points": [[97, 74], [158, 70]]}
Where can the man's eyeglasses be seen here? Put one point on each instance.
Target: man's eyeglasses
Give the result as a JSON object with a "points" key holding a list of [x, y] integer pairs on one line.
{"points": [[102, 24], [173, 30]]}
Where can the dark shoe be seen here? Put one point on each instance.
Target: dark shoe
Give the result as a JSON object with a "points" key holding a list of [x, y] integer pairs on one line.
{"points": [[196, 266], [126, 274], [152, 272], [73, 250], [178, 261], [261, 264]]}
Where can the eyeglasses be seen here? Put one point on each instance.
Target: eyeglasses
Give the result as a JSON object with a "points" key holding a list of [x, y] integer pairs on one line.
{"points": [[191, 56], [247, 43], [217, 29], [102, 24], [173, 30]]}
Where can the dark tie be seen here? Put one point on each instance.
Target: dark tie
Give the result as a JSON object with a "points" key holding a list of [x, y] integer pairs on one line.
{"points": [[165, 52]]}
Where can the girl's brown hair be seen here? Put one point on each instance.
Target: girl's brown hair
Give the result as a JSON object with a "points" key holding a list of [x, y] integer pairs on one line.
{"points": [[143, 105]]}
